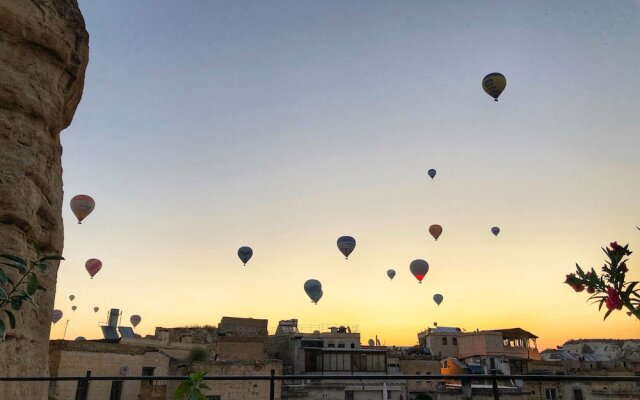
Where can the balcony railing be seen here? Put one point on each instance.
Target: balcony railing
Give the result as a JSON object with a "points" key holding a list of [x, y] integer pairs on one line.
{"points": [[465, 381]]}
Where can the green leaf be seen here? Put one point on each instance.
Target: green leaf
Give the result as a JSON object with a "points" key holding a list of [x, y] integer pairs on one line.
{"points": [[630, 287], [3, 277], [12, 319], [43, 266], [32, 284], [3, 294], [16, 304], [183, 388], [51, 258], [600, 306], [13, 258], [607, 314], [1, 330], [20, 268]]}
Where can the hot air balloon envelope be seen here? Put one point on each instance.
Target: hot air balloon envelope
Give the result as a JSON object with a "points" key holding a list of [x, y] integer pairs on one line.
{"points": [[346, 244], [495, 230], [56, 315], [435, 231], [245, 254], [438, 298], [96, 309], [82, 205], [391, 273], [313, 288], [494, 83], [419, 269], [71, 297], [431, 173], [74, 308], [135, 320], [92, 266]]}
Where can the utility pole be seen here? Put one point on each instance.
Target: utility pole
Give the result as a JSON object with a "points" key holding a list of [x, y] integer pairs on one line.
{"points": [[65, 330]]}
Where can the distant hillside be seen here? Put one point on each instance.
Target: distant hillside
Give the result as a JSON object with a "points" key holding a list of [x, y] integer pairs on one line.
{"points": [[605, 349]]}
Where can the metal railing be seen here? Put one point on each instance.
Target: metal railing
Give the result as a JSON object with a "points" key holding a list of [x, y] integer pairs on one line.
{"points": [[466, 380]]}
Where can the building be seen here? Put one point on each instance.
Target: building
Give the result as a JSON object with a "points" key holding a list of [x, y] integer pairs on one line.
{"points": [[236, 347], [335, 351], [506, 350], [440, 341]]}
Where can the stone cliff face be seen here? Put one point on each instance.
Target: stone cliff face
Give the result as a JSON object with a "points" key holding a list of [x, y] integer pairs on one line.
{"points": [[43, 56]]}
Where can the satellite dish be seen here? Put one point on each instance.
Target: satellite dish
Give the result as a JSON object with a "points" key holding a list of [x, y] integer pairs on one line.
{"points": [[371, 342], [124, 370], [519, 383]]}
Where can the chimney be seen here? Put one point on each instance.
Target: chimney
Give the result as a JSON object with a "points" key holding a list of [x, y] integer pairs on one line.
{"points": [[114, 315]]}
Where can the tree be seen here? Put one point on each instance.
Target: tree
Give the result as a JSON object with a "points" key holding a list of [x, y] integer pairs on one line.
{"points": [[609, 288], [14, 293]]}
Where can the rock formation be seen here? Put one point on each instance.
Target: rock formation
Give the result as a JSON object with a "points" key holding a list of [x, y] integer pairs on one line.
{"points": [[43, 56]]}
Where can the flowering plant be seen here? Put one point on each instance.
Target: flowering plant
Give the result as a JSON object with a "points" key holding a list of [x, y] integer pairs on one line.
{"points": [[610, 288]]}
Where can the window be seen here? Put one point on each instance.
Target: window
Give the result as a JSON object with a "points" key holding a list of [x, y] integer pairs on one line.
{"points": [[331, 345], [341, 345], [353, 345], [148, 371], [348, 395], [577, 394], [550, 394], [444, 341], [214, 397], [454, 341], [116, 390]]}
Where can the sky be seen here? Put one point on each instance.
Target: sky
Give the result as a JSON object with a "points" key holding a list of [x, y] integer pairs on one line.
{"points": [[210, 125]]}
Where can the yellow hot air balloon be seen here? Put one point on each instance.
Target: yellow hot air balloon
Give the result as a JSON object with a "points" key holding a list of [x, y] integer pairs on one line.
{"points": [[494, 84], [82, 205]]}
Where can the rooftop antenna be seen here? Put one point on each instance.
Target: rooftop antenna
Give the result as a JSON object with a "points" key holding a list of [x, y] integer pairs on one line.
{"points": [[65, 330]]}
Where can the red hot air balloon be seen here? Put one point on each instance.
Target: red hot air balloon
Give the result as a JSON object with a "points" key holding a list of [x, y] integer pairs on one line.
{"points": [[82, 205], [92, 266], [419, 269], [56, 316]]}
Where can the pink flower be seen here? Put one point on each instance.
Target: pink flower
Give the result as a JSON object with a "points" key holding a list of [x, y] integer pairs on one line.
{"points": [[578, 288], [613, 301], [614, 245], [591, 290]]}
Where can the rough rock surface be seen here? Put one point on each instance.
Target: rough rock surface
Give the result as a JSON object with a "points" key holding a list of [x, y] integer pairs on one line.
{"points": [[44, 50]]}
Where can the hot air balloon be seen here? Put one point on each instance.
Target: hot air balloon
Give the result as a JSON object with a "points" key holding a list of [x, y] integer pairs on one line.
{"points": [[82, 205], [438, 298], [346, 244], [92, 266], [419, 269], [495, 230], [245, 254], [56, 315], [74, 308], [80, 339], [313, 288], [71, 297], [135, 320], [435, 231], [494, 83], [371, 343], [431, 173], [391, 273], [96, 309]]}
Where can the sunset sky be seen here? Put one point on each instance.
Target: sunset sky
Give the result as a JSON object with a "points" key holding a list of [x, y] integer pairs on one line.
{"points": [[207, 125]]}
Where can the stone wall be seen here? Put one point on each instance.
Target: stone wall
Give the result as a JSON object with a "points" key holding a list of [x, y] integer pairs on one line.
{"points": [[43, 57]]}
